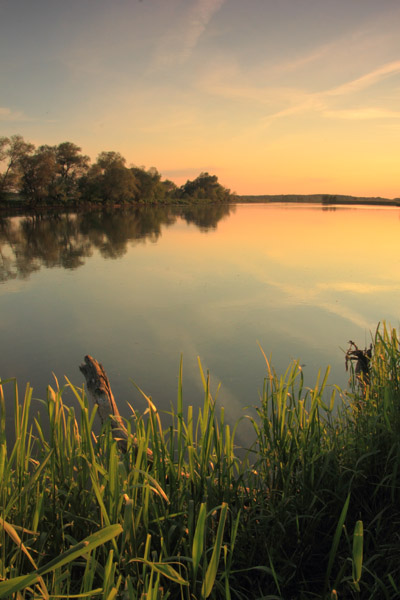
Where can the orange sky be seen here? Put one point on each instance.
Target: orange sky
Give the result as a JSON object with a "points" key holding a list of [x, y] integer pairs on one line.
{"points": [[273, 97]]}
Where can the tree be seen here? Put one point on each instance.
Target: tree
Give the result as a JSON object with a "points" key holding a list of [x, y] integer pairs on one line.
{"points": [[108, 180], [51, 173], [170, 187], [39, 173], [67, 166], [71, 165], [4, 141], [118, 184], [204, 187], [106, 160], [12, 151], [150, 186]]}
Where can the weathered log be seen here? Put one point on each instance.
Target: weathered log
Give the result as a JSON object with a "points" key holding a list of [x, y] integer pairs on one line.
{"points": [[99, 390]]}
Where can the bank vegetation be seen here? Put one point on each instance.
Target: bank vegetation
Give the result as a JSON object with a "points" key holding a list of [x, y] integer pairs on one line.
{"points": [[310, 510], [61, 176]]}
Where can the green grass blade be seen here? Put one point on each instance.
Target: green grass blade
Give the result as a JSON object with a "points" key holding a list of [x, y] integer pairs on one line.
{"points": [[165, 569], [358, 543], [336, 539], [9, 587], [198, 539], [212, 568]]}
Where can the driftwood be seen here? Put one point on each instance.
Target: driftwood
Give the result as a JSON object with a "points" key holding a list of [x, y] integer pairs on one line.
{"points": [[99, 390]]}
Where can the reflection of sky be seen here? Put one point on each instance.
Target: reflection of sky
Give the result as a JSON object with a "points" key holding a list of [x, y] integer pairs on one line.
{"points": [[299, 281]]}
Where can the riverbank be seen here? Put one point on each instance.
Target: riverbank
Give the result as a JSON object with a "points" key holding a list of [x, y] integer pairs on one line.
{"points": [[18, 206], [311, 511], [324, 199]]}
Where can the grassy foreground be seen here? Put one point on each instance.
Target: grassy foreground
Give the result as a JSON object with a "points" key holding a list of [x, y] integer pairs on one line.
{"points": [[314, 512]]}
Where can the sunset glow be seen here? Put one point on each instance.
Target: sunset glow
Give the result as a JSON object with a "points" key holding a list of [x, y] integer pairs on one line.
{"points": [[273, 97]]}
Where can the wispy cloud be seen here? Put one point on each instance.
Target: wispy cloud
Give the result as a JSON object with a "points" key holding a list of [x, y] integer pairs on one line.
{"points": [[297, 100], [199, 17], [357, 287], [321, 102], [178, 44], [366, 81], [362, 114], [304, 82], [298, 62], [6, 114]]}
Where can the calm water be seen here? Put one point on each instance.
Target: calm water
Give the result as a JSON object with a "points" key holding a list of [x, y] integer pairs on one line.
{"points": [[136, 289]]}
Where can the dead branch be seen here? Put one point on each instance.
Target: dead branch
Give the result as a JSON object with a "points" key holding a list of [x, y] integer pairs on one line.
{"points": [[362, 358]]}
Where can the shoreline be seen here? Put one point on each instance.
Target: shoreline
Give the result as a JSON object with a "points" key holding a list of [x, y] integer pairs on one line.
{"points": [[322, 199], [15, 208]]}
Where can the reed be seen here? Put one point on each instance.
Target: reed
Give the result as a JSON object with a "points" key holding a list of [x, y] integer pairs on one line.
{"points": [[310, 511]]}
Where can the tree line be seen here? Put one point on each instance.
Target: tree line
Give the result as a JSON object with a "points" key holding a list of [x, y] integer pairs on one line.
{"points": [[61, 174]]}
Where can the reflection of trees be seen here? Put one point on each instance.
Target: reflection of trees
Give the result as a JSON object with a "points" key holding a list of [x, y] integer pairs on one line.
{"points": [[111, 231], [66, 240], [207, 216], [28, 243]]}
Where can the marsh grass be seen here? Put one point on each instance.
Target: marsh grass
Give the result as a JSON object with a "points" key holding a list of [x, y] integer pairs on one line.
{"points": [[311, 511]]}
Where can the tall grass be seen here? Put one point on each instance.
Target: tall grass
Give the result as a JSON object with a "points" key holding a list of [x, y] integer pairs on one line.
{"points": [[311, 511]]}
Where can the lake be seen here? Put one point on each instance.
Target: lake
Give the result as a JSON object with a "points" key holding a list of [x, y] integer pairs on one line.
{"points": [[138, 288]]}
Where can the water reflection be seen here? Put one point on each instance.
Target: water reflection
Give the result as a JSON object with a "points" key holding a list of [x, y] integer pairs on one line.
{"points": [[299, 281], [207, 216], [66, 240]]}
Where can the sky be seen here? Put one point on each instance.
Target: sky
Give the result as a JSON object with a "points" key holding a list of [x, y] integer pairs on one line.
{"points": [[272, 96]]}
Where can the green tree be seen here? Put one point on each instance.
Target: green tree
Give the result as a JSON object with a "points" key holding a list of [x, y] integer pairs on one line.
{"points": [[170, 187], [118, 184], [108, 180], [39, 173], [66, 164], [12, 151], [106, 160], [71, 165], [204, 187], [150, 187]]}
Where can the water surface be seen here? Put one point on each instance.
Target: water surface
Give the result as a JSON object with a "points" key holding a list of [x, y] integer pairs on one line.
{"points": [[139, 288]]}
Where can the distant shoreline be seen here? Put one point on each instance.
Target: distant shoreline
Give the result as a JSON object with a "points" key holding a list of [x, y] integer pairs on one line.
{"points": [[324, 199], [18, 207]]}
